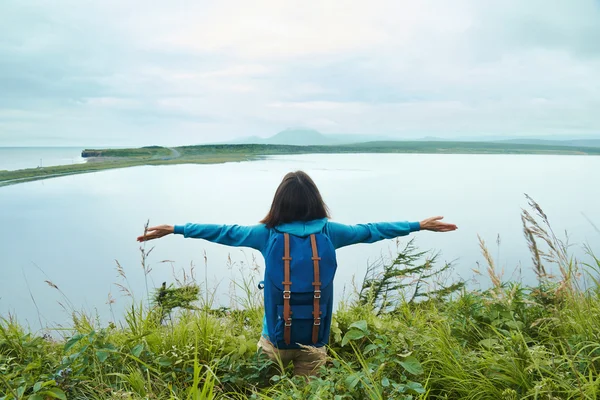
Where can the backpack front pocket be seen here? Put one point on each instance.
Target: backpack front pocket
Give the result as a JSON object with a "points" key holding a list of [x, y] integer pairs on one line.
{"points": [[302, 325]]}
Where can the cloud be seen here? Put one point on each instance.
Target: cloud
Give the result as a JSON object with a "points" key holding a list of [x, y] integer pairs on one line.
{"points": [[130, 73]]}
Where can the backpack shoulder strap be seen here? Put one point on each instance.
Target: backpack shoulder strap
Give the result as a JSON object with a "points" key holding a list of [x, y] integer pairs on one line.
{"points": [[317, 289], [287, 312]]}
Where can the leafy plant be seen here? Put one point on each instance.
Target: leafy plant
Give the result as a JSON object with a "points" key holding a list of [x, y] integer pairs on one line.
{"points": [[412, 276]]}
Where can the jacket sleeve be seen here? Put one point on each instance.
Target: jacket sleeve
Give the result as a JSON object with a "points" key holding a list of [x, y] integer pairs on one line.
{"points": [[255, 236], [344, 235]]}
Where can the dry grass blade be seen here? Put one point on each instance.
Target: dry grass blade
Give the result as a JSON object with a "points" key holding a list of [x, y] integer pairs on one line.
{"points": [[557, 252], [120, 270], [591, 223], [496, 278], [123, 289], [533, 204], [52, 285], [540, 270]]}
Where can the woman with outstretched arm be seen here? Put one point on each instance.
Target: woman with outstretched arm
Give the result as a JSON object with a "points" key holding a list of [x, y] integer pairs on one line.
{"points": [[298, 242]]}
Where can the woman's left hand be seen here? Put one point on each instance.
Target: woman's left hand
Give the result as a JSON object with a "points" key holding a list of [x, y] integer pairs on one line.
{"points": [[435, 224], [156, 232]]}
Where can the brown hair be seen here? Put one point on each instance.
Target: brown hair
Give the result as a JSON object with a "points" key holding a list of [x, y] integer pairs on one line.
{"points": [[296, 199]]}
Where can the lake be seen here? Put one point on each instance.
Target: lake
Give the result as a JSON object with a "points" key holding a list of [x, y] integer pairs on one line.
{"points": [[12, 158], [70, 230]]}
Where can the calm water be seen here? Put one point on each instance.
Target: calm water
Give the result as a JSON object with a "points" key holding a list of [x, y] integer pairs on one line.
{"points": [[71, 230], [12, 158]]}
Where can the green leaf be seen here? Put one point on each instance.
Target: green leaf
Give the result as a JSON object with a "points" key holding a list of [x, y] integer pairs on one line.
{"points": [[488, 343], [102, 355], [242, 349], [361, 325], [51, 382], [385, 382], [412, 365], [353, 334], [110, 346], [415, 386], [36, 396], [369, 348], [400, 387], [71, 342], [37, 387], [516, 325], [32, 365], [137, 350], [164, 361], [352, 381], [56, 393]]}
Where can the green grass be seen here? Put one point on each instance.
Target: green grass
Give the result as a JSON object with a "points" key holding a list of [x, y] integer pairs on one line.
{"points": [[392, 339], [212, 154], [33, 174], [143, 152]]}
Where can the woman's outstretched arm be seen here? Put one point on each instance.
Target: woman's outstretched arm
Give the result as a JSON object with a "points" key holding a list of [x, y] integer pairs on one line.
{"points": [[255, 236], [344, 235]]}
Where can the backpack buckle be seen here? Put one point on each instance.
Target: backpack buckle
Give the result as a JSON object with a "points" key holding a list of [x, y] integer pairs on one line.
{"points": [[317, 294], [288, 322], [317, 322], [287, 294]]}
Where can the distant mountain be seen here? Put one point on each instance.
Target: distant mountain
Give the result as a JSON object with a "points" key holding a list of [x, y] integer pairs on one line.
{"points": [[309, 137], [301, 137], [355, 138]]}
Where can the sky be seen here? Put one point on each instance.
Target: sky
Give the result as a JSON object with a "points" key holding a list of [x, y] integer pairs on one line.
{"points": [[121, 73]]}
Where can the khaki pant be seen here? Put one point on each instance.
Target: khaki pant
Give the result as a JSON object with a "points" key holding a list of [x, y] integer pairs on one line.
{"points": [[306, 361]]}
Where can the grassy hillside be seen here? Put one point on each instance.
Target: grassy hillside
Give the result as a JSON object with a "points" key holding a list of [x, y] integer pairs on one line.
{"points": [[390, 147], [546, 142], [149, 151], [402, 336], [250, 150], [114, 161]]}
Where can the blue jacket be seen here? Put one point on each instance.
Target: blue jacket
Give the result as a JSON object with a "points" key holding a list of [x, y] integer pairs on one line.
{"points": [[257, 236]]}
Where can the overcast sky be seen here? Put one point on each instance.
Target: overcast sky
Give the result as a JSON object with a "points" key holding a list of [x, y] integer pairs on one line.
{"points": [[111, 72]]}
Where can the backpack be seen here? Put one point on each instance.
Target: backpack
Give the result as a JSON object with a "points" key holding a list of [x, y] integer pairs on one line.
{"points": [[298, 290]]}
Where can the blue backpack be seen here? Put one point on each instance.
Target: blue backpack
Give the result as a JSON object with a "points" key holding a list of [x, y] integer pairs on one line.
{"points": [[299, 290]]}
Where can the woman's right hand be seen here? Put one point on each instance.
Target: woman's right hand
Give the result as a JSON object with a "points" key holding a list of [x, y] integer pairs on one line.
{"points": [[436, 225], [156, 232]]}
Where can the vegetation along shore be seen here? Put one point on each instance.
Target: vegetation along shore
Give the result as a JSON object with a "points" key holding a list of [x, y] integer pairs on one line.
{"points": [[101, 159], [405, 333]]}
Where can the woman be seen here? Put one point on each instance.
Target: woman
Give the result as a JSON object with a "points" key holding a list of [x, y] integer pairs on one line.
{"points": [[298, 212]]}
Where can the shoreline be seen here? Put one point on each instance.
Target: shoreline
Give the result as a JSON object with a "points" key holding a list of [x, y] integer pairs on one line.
{"points": [[104, 159]]}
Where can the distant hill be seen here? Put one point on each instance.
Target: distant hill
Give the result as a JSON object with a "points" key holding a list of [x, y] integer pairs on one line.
{"points": [[308, 137], [547, 142], [550, 140], [312, 137]]}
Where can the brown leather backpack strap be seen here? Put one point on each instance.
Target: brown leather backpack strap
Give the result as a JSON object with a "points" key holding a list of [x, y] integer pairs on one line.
{"points": [[287, 312], [317, 289]]}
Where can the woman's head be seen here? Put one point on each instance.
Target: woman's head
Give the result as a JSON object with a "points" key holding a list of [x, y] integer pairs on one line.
{"points": [[296, 199]]}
